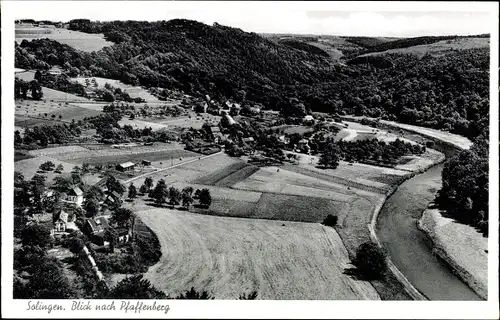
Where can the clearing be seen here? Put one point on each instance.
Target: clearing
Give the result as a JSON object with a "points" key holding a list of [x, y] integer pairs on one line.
{"points": [[133, 91], [231, 256], [439, 48], [87, 42], [30, 167]]}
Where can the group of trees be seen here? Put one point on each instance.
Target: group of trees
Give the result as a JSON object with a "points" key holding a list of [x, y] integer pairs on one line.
{"points": [[369, 149], [47, 134], [21, 89], [161, 193], [449, 91], [464, 194]]}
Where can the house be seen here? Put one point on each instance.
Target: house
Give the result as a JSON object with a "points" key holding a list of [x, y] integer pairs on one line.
{"points": [[111, 197], [64, 222], [227, 120], [95, 225], [248, 139], [73, 195], [235, 109], [124, 235], [308, 119], [146, 162], [55, 71], [126, 166], [255, 110], [284, 139], [303, 145]]}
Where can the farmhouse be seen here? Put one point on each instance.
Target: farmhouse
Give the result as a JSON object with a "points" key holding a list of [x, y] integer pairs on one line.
{"points": [[227, 121], [55, 71], [73, 195], [248, 140], [64, 222], [308, 119], [126, 166], [111, 197], [124, 235], [94, 228], [146, 162]]}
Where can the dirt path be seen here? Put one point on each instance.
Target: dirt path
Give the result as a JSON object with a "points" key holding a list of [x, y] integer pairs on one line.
{"points": [[167, 168]]}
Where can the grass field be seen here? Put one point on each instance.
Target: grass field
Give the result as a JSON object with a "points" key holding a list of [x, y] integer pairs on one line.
{"points": [[440, 47], [291, 129], [228, 176], [79, 40], [133, 91], [30, 167], [35, 111], [230, 256]]}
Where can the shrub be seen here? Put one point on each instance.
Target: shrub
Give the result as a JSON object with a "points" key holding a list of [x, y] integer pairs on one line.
{"points": [[330, 220], [371, 261]]}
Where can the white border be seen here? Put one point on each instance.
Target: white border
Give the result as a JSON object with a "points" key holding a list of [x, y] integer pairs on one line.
{"points": [[246, 309]]}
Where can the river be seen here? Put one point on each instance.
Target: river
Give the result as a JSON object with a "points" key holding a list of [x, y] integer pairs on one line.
{"points": [[409, 248]]}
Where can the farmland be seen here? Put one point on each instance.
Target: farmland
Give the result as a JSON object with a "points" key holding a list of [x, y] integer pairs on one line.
{"points": [[133, 91], [79, 40], [36, 110], [229, 256], [440, 47]]}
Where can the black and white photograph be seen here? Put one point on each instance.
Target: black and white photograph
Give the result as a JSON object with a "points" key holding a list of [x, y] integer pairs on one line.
{"points": [[162, 151]]}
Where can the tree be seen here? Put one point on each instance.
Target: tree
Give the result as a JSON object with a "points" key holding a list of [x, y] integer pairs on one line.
{"points": [[47, 281], [174, 196], [59, 168], [77, 245], [132, 191], [370, 261], [111, 236], [17, 138], [36, 90], [136, 288], [195, 295], [330, 156], [205, 197], [160, 192], [114, 185], [197, 194], [250, 296], [187, 198], [91, 206], [143, 189], [330, 220], [148, 182], [36, 235], [122, 217], [47, 166]]}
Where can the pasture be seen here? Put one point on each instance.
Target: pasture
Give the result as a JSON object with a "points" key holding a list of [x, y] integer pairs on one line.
{"points": [[79, 40], [30, 167], [231, 256], [42, 111], [133, 91], [439, 48]]}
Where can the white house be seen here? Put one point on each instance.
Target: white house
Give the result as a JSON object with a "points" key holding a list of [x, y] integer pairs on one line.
{"points": [[64, 222], [75, 196], [308, 119]]}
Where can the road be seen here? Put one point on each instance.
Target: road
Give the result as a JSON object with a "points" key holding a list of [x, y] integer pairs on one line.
{"points": [[167, 168]]}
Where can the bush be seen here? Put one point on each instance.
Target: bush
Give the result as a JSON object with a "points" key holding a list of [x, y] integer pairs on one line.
{"points": [[330, 220], [371, 261]]}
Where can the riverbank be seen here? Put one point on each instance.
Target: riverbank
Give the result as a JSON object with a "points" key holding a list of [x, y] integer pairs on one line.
{"points": [[460, 246]]}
